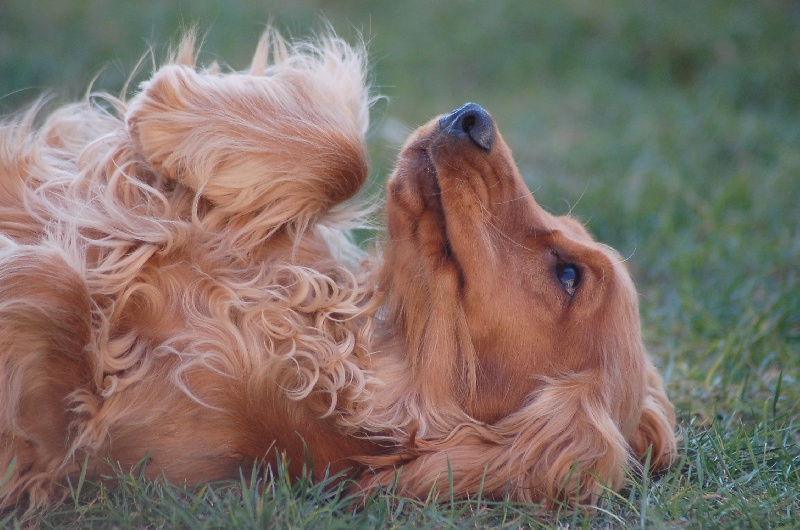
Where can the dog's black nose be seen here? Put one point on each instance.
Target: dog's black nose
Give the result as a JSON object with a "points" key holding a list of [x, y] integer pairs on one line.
{"points": [[472, 120]]}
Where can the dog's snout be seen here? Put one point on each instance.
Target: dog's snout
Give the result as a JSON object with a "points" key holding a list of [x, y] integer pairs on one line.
{"points": [[472, 120]]}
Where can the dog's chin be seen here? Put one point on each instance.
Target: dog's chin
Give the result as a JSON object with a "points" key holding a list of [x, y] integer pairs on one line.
{"points": [[414, 185], [426, 178], [414, 205], [416, 198]]}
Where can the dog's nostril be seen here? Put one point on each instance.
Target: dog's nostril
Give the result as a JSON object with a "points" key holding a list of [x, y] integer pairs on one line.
{"points": [[468, 123], [472, 120]]}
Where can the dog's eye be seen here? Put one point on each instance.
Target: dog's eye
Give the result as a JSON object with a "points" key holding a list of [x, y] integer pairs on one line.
{"points": [[569, 276]]}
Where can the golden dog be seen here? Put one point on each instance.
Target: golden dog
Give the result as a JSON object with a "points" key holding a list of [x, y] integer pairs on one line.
{"points": [[176, 280]]}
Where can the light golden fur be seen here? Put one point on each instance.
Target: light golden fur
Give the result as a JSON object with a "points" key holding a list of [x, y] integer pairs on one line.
{"points": [[176, 280]]}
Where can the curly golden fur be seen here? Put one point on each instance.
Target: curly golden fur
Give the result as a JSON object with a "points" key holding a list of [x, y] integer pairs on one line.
{"points": [[177, 280]]}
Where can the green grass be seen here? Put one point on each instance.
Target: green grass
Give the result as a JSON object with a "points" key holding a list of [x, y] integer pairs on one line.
{"points": [[671, 128]]}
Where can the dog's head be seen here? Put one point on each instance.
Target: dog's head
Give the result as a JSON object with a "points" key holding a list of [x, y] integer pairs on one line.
{"points": [[515, 316]]}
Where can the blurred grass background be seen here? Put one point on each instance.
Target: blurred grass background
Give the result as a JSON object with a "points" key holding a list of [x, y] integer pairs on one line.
{"points": [[671, 128]]}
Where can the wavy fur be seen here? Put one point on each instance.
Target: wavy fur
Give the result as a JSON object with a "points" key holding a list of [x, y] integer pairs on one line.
{"points": [[177, 280]]}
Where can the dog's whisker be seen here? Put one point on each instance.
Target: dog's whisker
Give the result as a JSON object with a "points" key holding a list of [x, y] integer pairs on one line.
{"points": [[572, 207]]}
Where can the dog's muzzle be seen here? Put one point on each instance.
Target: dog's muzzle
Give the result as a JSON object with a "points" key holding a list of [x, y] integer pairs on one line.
{"points": [[473, 121]]}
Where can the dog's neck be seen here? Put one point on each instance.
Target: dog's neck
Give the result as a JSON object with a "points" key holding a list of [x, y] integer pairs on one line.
{"points": [[411, 397]]}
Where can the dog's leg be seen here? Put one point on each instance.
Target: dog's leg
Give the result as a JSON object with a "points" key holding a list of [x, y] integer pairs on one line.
{"points": [[44, 329], [287, 146]]}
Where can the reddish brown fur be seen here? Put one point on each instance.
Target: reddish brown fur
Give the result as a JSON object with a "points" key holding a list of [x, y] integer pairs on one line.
{"points": [[176, 281]]}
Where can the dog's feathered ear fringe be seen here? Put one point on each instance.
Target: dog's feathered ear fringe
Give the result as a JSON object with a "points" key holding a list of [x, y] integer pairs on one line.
{"points": [[285, 138], [656, 430], [562, 446]]}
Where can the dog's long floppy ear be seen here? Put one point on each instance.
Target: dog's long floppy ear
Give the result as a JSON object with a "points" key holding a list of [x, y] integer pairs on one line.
{"points": [[563, 445], [287, 139], [656, 430]]}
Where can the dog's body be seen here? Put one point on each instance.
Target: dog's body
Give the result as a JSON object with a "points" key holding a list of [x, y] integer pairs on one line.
{"points": [[177, 282]]}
